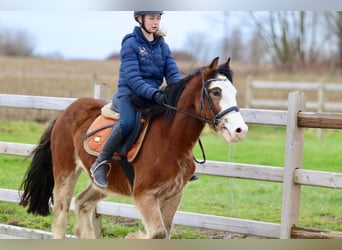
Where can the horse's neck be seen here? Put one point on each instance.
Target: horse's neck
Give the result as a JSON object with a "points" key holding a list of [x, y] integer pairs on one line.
{"points": [[180, 136], [184, 131]]}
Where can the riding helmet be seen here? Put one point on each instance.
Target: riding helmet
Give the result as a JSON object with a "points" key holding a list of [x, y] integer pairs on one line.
{"points": [[142, 13]]}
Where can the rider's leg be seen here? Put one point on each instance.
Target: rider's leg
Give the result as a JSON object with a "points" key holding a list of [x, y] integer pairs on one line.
{"points": [[98, 169], [115, 139]]}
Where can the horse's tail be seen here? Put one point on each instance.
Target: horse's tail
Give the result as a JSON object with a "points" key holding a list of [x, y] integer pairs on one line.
{"points": [[38, 181]]}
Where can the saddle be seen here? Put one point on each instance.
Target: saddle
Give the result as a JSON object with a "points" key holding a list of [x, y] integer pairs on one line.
{"points": [[100, 129]]}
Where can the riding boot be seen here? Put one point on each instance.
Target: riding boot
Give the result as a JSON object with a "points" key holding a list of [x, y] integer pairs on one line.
{"points": [[98, 169]]}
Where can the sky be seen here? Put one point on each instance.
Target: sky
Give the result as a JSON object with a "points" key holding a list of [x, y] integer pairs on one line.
{"points": [[97, 34], [93, 29]]}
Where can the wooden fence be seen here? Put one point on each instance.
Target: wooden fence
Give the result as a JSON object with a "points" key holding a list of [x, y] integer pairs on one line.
{"points": [[291, 175], [320, 91]]}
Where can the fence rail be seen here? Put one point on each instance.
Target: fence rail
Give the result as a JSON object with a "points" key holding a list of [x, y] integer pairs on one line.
{"points": [[322, 89], [290, 175]]}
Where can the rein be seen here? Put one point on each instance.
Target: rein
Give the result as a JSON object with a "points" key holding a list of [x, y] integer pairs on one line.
{"points": [[216, 116]]}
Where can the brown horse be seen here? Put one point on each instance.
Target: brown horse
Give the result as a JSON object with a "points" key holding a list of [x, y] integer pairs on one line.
{"points": [[161, 169]]}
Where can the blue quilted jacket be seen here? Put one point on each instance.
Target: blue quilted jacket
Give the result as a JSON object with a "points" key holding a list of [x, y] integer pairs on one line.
{"points": [[144, 64]]}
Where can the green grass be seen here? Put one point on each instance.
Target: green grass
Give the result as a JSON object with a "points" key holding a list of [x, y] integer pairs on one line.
{"points": [[248, 199]]}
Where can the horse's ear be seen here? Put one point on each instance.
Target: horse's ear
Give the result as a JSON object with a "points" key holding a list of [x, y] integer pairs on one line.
{"points": [[228, 62], [207, 70], [214, 63]]}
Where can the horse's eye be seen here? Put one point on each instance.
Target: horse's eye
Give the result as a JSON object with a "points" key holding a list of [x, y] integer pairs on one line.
{"points": [[216, 93]]}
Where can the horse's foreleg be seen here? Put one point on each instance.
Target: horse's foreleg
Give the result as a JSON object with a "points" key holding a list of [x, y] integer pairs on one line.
{"points": [[168, 211], [84, 206], [149, 208]]}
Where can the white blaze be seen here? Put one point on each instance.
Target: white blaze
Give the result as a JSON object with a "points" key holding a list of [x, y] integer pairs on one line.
{"points": [[231, 127]]}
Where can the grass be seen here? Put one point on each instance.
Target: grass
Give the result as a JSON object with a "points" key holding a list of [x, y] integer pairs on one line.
{"points": [[264, 145]]}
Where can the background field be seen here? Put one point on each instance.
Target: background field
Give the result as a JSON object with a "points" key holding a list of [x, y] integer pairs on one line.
{"points": [[73, 78], [320, 208]]}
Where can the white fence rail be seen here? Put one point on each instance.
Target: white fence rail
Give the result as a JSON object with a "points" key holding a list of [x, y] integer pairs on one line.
{"points": [[320, 103], [291, 175]]}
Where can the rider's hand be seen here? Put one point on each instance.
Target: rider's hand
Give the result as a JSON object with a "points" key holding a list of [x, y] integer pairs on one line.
{"points": [[159, 98]]}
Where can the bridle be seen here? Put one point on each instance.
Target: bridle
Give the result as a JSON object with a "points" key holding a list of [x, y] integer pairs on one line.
{"points": [[216, 116], [205, 93]]}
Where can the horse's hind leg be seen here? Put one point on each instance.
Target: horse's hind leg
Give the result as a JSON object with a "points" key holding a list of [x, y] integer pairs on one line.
{"points": [[84, 206], [63, 192]]}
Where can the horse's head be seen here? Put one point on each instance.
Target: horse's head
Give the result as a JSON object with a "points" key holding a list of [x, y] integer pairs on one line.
{"points": [[218, 102]]}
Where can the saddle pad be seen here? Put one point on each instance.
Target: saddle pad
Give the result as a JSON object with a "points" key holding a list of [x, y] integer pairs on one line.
{"points": [[94, 143], [106, 111]]}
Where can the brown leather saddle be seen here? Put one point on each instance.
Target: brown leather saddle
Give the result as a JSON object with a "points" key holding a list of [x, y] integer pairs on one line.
{"points": [[100, 129]]}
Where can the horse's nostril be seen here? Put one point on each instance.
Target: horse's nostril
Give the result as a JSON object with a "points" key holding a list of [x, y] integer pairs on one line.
{"points": [[238, 130]]}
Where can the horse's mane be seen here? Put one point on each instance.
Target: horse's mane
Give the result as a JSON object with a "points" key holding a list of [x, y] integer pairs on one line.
{"points": [[172, 92], [225, 70]]}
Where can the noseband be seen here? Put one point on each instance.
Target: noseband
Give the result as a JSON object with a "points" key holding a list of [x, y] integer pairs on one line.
{"points": [[205, 93]]}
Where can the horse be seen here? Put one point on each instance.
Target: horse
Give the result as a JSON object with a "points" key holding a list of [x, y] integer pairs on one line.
{"points": [[161, 169]]}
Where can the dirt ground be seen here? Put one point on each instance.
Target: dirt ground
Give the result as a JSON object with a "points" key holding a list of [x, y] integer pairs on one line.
{"points": [[178, 230]]}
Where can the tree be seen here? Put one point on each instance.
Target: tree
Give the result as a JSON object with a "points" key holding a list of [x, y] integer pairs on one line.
{"points": [[334, 23], [16, 43], [290, 37], [196, 45], [256, 53], [233, 46]]}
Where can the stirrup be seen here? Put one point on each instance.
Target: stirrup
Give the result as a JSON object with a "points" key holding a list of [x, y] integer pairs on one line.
{"points": [[105, 162], [103, 182]]}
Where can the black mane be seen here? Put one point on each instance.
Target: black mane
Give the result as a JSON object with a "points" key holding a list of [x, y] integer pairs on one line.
{"points": [[150, 109], [172, 92], [225, 70]]}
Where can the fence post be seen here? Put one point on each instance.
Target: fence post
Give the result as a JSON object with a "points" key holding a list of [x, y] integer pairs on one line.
{"points": [[100, 91], [293, 161], [248, 97], [320, 104]]}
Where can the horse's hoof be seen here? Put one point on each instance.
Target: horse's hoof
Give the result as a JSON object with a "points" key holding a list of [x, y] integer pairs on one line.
{"points": [[136, 235]]}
